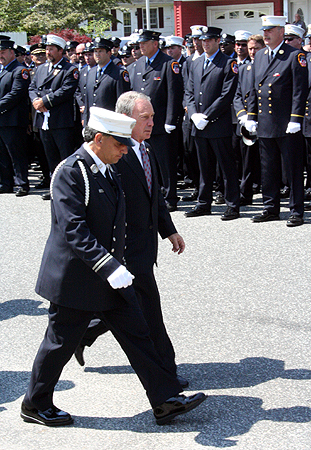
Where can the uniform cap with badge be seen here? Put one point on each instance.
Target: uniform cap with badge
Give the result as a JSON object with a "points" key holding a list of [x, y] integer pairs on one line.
{"points": [[99, 42], [35, 49], [117, 125], [174, 40], [293, 30], [227, 39], [125, 51], [269, 22], [71, 44], [210, 33], [6, 43], [196, 30], [89, 47], [242, 35], [52, 39], [148, 35]]}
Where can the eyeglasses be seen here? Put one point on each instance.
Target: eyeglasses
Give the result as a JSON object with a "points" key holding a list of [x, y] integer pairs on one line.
{"points": [[241, 44], [290, 39]]}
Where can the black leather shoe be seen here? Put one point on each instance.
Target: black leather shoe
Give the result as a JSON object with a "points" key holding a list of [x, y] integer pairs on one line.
{"points": [[285, 192], [308, 207], [294, 221], [21, 192], [52, 417], [46, 196], [230, 214], [45, 184], [171, 208], [190, 198], [177, 405], [265, 216], [197, 211], [307, 195], [220, 199], [79, 354], [182, 381]]}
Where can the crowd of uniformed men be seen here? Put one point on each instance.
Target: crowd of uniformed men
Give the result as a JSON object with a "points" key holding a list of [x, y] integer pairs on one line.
{"points": [[231, 111]]}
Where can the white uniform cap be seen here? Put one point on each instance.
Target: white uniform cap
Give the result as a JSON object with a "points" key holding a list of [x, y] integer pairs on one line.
{"points": [[196, 30], [133, 39], [294, 29], [52, 39], [110, 122], [174, 40], [272, 21], [242, 35]]}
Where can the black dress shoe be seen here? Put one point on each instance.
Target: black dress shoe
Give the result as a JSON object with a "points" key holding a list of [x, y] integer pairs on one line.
{"points": [[171, 208], [294, 221], [285, 192], [307, 195], [308, 207], [265, 216], [190, 198], [52, 417], [79, 354], [245, 201], [177, 405], [21, 192], [230, 214], [220, 199], [46, 196], [45, 184], [182, 381], [197, 211]]}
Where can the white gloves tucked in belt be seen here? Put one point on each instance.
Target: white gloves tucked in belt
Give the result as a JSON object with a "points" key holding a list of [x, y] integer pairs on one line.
{"points": [[120, 278], [293, 127], [45, 125], [169, 128], [199, 120]]}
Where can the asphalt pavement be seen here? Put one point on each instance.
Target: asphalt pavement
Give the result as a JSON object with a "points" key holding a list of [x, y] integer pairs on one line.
{"points": [[237, 308]]}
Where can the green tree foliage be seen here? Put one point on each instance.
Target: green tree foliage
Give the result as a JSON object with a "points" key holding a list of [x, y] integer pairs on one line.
{"points": [[42, 16]]}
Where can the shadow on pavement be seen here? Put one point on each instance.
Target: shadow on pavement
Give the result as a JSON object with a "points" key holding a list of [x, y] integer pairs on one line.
{"points": [[17, 307]]}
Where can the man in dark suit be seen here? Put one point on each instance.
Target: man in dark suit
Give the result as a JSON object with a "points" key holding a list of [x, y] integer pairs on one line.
{"points": [[81, 274], [278, 100], [159, 76], [14, 116], [209, 94], [106, 81], [52, 95], [146, 215]]}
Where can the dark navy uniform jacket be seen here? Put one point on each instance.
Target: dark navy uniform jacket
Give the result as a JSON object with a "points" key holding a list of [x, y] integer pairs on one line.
{"points": [[243, 89], [307, 119], [81, 88], [210, 91], [105, 91], [149, 215], [14, 82], [279, 90], [86, 241], [56, 88], [162, 82]]}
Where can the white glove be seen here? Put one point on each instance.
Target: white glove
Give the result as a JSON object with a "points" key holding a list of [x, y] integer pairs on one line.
{"points": [[169, 128], [120, 278], [251, 126], [293, 127], [45, 125], [243, 119], [199, 120]]}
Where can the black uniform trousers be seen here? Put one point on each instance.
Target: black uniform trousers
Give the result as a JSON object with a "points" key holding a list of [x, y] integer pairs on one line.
{"points": [[58, 143], [291, 149], [13, 158], [148, 297], [208, 150], [64, 332], [192, 172], [166, 156]]}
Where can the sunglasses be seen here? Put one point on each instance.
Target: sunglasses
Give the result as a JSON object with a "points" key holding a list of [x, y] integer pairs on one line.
{"points": [[289, 39], [239, 44]]}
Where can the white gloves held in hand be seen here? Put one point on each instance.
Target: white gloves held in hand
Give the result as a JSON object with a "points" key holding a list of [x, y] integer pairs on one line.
{"points": [[199, 120], [293, 127], [251, 126], [169, 128], [120, 278]]}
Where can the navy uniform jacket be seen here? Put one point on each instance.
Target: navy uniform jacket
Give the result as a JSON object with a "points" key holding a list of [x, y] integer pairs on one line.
{"points": [[243, 89], [162, 82], [148, 217], [57, 90], [307, 119], [14, 82], [81, 88], [105, 92], [279, 90], [211, 92], [86, 243]]}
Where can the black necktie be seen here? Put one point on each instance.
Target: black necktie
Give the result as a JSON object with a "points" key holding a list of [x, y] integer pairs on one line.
{"points": [[271, 56], [110, 180]]}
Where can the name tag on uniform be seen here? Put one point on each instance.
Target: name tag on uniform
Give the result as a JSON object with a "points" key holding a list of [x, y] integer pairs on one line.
{"points": [[138, 73]]}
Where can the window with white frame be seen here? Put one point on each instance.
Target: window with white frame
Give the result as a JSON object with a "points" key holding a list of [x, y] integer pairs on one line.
{"points": [[127, 23], [153, 18]]}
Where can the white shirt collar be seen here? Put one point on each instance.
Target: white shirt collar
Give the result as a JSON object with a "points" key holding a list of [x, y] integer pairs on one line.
{"points": [[275, 50]]}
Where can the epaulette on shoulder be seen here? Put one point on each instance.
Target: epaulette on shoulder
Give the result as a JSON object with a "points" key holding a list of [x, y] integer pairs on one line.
{"points": [[72, 159]]}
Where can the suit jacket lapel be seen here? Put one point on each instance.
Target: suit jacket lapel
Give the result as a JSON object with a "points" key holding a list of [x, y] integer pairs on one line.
{"points": [[132, 160], [274, 63]]}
